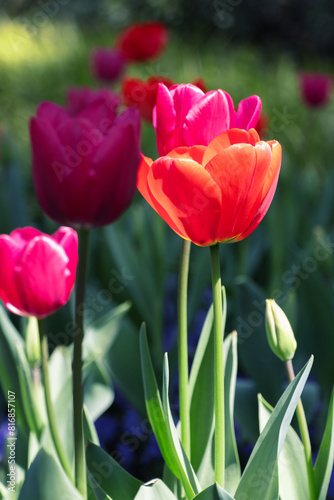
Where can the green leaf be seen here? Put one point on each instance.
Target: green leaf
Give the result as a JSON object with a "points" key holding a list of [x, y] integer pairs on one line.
{"points": [[108, 477], [89, 428], [11, 364], [260, 477], [201, 393], [292, 473], [324, 464], [153, 403], [214, 492], [232, 464], [46, 479], [155, 490], [185, 471], [100, 335]]}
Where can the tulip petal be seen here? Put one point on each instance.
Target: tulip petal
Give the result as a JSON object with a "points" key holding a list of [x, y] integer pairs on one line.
{"points": [[209, 117], [186, 192], [40, 274], [9, 252], [67, 238], [227, 139], [117, 161], [240, 171], [269, 187], [248, 112], [51, 112]]}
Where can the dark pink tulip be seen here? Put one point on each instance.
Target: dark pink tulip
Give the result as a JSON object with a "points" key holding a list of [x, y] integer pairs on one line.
{"points": [[37, 271], [315, 88], [107, 64], [79, 98], [185, 116], [85, 162]]}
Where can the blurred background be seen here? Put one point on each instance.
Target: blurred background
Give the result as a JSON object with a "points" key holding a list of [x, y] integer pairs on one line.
{"points": [[244, 47]]}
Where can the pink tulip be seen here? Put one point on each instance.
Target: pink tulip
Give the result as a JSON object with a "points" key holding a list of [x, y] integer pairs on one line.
{"points": [[315, 88], [37, 271], [185, 116], [78, 98], [107, 64], [85, 162]]}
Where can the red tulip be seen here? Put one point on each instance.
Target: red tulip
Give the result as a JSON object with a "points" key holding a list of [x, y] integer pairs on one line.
{"points": [[107, 64], [185, 116], [143, 41], [143, 94], [315, 88], [37, 271], [262, 125], [85, 163], [214, 193]]}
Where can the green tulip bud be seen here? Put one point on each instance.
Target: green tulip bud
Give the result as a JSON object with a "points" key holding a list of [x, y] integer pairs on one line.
{"points": [[279, 332], [33, 348]]}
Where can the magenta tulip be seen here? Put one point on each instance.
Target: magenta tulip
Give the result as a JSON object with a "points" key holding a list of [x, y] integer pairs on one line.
{"points": [[85, 162], [107, 64], [78, 98], [315, 88], [37, 271], [185, 116]]}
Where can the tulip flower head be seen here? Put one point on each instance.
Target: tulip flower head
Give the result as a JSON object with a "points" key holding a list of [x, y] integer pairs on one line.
{"points": [[107, 64], [215, 193], [142, 94], [315, 88], [85, 159], [185, 116], [143, 41], [37, 271], [279, 332]]}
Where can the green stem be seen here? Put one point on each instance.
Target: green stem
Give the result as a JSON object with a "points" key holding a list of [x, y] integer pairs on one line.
{"points": [[48, 402], [183, 346], [79, 445], [218, 327], [303, 428]]}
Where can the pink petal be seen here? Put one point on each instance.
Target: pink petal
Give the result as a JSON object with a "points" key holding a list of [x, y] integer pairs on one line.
{"points": [[9, 252], [51, 112], [248, 112]]}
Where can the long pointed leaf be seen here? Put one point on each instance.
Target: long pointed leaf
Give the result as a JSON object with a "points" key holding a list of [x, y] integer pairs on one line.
{"points": [[214, 492], [106, 475], [292, 473], [324, 464], [186, 473], [155, 490], [154, 404], [260, 478]]}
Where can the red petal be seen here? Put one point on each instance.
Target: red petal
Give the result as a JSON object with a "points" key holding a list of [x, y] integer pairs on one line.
{"points": [[186, 197], [227, 139]]}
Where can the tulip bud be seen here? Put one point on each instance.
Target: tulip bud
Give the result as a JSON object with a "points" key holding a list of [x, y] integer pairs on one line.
{"points": [[279, 332], [33, 347]]}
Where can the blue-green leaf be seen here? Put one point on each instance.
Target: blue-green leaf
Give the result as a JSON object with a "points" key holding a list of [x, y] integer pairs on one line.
{"points": [[260, 477], [185, 471], [46, 479], [214, 492], [292, 473], [324, 464], [107, 476], [154, 404], [155, 490]]}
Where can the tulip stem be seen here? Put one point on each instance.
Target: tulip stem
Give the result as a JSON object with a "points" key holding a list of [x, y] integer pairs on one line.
{"points": [[303, 429], [218, 328], [183, 346], [48, 402], [79, 445]]}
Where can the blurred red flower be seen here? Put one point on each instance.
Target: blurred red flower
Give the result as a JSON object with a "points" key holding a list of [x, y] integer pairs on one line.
{"points": [[315, 88], [143, 41], [215, 193], [262, 125], [142, 94], [37, 271]]}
